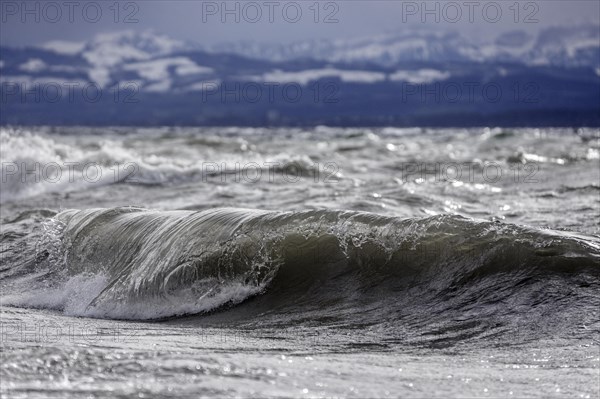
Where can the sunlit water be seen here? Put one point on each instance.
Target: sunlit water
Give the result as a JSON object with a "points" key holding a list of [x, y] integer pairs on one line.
{"points": [[233, 262]]}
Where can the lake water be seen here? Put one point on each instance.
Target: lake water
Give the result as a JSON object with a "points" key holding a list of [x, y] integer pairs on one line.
{"points": [[325, 262]]}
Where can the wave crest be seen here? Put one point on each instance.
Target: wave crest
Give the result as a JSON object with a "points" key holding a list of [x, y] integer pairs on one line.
{"points": [[133, 263]]}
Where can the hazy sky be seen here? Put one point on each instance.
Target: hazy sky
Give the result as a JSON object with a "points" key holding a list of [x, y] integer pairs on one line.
{"points": [[208, 22]]}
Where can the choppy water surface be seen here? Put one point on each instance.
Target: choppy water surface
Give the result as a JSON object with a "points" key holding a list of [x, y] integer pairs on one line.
{"points": [[300, 263]]}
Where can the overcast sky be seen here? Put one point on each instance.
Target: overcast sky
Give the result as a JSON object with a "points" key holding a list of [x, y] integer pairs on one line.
{"points": [[209, 22]]}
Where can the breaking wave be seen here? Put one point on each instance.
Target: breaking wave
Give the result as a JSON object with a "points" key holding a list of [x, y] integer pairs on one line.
{"points": [[311, 267], [35, 164]]}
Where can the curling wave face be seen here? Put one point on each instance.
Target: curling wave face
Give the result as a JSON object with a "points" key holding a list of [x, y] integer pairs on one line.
{"points": [[339, 268]]}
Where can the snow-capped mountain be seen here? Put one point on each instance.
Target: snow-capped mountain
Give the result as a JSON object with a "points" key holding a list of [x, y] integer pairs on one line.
{"points": [[160, 63], [118, 46], [108, 51], [558, 46], [568, 46], [385, 79]]}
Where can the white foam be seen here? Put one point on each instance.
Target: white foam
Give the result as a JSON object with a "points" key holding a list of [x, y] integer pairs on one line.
{"points": [[59, 164], [76, 296], [34, 164]]}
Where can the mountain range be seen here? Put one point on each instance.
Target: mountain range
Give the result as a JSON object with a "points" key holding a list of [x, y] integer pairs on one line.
{"points": [[399, 78]]}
